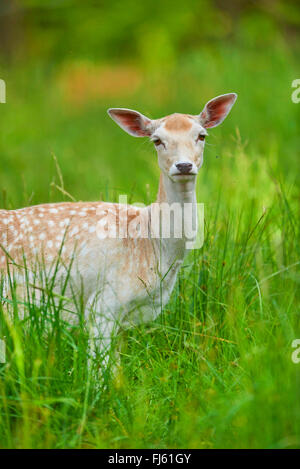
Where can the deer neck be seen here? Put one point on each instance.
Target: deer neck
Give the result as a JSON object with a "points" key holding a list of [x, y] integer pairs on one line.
{"points": [[178, 196], [176, 192]]}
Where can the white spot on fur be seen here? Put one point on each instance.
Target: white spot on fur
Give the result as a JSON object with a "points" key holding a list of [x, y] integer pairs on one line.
{"points": [[74, 231]]}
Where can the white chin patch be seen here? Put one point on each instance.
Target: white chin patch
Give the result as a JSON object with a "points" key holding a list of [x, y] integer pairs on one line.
{"points": [[174, 172]]}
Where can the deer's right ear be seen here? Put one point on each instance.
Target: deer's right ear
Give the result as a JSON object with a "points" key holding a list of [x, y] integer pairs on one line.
{"points": [[132, 122]]}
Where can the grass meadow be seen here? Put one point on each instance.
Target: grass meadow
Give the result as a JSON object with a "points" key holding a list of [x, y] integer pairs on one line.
{"points": [[215, 369]]}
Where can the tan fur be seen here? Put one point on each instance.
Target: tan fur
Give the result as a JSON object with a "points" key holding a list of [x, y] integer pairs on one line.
{"points": [[178, 123], [161, 195], [51, 229]]}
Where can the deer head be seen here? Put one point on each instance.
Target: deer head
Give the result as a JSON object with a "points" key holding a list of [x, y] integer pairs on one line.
{"points": [[179, 138]]}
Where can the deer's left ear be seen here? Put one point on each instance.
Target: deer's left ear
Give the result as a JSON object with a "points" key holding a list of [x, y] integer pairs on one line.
{"points": [[133, 122], [217, 109]]}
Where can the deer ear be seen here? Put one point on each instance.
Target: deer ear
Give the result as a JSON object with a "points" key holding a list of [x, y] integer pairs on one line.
{"points": [[217, 109], [132, 122]]}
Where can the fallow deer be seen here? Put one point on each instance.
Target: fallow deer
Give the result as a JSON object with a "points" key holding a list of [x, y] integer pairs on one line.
{"points": [[123, 279]]}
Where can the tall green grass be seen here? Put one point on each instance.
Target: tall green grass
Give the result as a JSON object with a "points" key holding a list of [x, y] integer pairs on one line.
{"points": [[215, 369]]}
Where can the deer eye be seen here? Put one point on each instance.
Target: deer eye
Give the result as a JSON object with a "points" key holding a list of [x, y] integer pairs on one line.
{"points": [[157, 141], [201, 137]]}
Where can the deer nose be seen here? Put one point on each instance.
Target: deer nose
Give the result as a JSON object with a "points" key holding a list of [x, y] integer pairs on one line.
{"points": [[184, 168]]}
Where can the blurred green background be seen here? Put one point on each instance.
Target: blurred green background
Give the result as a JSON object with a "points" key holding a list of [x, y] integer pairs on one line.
{"points": [[66, 61], [215, 369]]}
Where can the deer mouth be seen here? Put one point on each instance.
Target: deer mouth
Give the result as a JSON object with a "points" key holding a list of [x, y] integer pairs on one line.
{"points": [[184, 175]]}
